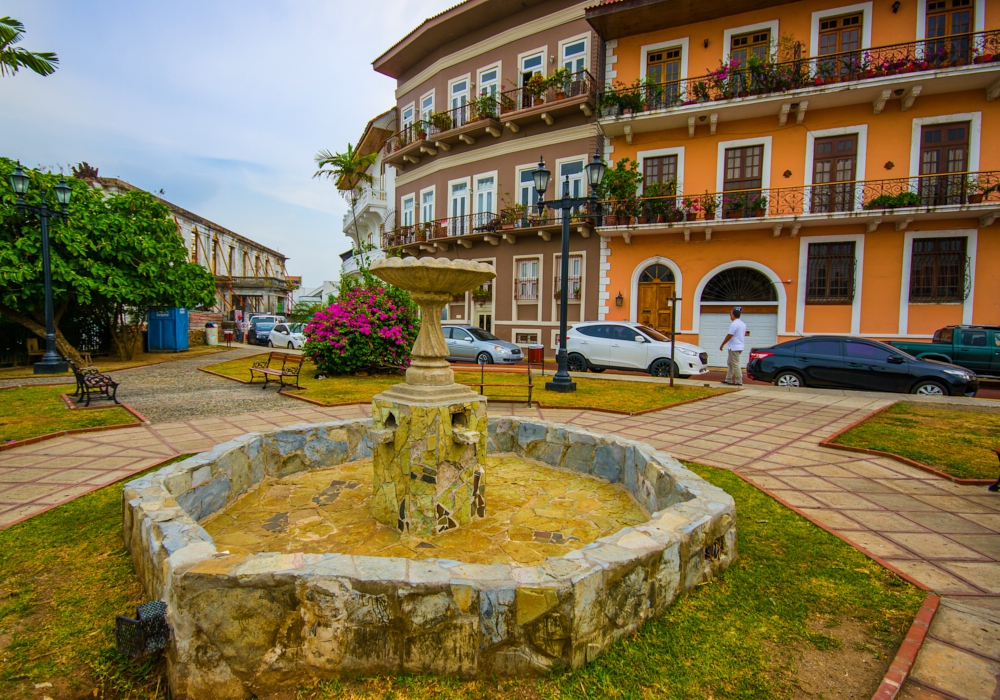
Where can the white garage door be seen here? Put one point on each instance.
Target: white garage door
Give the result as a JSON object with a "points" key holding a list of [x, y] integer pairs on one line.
{"points": [[762, 329]]}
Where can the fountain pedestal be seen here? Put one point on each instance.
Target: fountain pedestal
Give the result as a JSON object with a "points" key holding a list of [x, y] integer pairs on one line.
{"points": [[429, 434]]}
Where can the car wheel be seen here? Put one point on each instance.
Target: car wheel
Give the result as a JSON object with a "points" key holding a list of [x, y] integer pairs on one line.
{"points": [[270, 344], [661, 368], [929, 388], [577, 362], [597, 370], [290, 346], [484, 358], [788, 379]]}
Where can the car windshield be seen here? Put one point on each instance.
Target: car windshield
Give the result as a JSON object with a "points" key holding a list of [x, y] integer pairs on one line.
{"points": [[480, 334], [655, 335], [296, 327]]}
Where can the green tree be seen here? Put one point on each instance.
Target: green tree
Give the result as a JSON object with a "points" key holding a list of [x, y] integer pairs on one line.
{"points": [[13, 58], [350, 171], [120, 254]]}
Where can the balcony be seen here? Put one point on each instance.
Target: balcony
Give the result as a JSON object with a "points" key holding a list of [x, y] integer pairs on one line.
{"points": [[789, 88], [488, 115], [351, 263], [258, 283], [871, 202], [507, 226], [372, 204]]}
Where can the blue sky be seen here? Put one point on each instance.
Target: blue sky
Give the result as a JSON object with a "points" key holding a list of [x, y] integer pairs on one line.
{"points": [[222, 104]]}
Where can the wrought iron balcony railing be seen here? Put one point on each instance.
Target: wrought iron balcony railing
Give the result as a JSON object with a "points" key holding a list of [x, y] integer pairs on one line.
{"points": [[769, 77], [926, 192], [493, 107], [487, 223]]}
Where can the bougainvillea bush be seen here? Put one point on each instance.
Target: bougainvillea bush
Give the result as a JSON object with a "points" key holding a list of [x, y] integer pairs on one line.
{"points": [[371, 326]]}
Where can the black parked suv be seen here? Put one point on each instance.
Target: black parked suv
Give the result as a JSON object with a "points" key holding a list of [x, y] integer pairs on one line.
{"points": [[855, 363]]}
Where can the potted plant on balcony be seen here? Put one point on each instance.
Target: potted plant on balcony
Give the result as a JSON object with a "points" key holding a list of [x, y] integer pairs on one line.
{"points": [[420, 131], [757, 204], [441, 121], [619, 185], [735, 205], [691, 208], [535, 88], [724, 80], [977, 190], [892, 201], [481, 295], [709, 205], [420, 233], [654, 206], [484, 107], [700, 91], [559, 82]]}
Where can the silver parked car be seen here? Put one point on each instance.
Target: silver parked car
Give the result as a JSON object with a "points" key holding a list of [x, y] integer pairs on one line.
{"points": [[472, 344]]}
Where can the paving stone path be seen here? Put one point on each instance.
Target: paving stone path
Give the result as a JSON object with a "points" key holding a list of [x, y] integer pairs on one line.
{"points": [[945, 535]]}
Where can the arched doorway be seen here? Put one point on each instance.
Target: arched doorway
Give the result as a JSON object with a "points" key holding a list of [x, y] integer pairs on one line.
{"points": [[656, 289], [738, 286]]}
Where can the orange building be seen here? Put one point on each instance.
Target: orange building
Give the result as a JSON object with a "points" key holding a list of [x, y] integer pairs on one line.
{"points": [[831, 168]]}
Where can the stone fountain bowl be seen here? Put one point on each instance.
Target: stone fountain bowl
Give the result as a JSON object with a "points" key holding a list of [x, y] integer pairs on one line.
{"points": [[430, 275], [269, 622]]}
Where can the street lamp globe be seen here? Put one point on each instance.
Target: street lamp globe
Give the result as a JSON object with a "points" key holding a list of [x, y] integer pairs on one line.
{"points": [[63, 192], [19, 181], [595, 170], [541, 177]]}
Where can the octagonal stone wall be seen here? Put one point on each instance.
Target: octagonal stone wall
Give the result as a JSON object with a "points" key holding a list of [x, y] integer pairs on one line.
{"points": [[245, 625]]}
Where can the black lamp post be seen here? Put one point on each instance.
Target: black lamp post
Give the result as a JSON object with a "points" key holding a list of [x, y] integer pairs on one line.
{"points": [[562, 382], [51, 362]]}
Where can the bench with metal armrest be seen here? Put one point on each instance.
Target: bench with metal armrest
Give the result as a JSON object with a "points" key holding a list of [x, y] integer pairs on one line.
{"points": [[481, 384], [278, 365], [90, 381]]}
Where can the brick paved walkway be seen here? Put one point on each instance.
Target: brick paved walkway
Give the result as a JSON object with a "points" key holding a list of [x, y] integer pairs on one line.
{"points": [[945, 535]]}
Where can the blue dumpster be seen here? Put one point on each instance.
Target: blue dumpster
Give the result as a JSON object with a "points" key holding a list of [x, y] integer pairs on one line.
{"points": [[168, 330]]}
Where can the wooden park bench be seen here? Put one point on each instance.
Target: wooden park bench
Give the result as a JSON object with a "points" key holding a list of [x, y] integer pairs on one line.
{"points": [[279, 365], [89, 381], [31, 345]]}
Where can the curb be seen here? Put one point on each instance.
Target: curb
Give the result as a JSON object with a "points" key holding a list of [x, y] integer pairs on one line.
{"points": [[537, 403], [828, 442], [69, 375], [71, 431], [67, 399], [901, 666]]}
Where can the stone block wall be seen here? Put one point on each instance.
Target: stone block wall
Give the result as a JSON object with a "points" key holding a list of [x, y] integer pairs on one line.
{"points": [[252, 625]]}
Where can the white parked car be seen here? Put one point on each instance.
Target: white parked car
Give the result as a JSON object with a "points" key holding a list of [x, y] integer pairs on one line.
{"points": [[601, 345], [287, 335]]}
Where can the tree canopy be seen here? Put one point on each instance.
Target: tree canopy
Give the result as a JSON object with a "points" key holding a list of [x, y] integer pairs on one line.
{"points": [[115, 251]]}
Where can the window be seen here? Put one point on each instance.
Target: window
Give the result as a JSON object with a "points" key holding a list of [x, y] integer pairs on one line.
{"points": [[194, 246], [744, 168], [830, 277], [406, 116], [459, 95], [948, 25], [574, 56], [427, 206], [866, 351], [489, 81], [662, 169], [528, 195], [944, 148], [943, 336], [408, 211], [526, 284], [937, 270], [974, 339], [485, 198], [575, 286], [840, 37], [427, 106], [834, 160], [573, 172], [458, 223], [526, 338], [460, 334], [663, 67], [531, 65], [827, 348], [753, 44], [595, 331]]}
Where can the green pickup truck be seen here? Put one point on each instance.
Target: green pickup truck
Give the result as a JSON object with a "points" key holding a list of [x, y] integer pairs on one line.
{"points": [[972, 347]]}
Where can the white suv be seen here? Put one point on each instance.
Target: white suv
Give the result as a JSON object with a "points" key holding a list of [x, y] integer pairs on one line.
{"points": [[601, 345]]}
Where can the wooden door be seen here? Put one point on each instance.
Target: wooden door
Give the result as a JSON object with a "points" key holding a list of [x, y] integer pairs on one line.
{"points": [[834, 160], [944, 148], [837, 37], [654, 305], [663, 67], [949, 23]]}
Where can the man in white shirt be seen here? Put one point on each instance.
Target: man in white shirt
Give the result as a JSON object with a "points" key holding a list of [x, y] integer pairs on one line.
{"points": [[734, 344]]}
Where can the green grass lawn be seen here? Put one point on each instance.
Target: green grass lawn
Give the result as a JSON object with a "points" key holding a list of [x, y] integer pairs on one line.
{"points": [[958, 440], [595, 393], [64, 574], [37, 410]]}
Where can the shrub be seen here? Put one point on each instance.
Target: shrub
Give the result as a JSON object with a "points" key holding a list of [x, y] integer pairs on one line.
{"points": [[891, 201], [370, 326]]}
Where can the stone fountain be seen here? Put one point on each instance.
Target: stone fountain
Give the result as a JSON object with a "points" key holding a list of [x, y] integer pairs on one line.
{"points": [[430, 462], [366, 546]]}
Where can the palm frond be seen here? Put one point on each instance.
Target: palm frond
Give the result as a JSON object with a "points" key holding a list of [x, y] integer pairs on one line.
{"points": [[12, 58]]}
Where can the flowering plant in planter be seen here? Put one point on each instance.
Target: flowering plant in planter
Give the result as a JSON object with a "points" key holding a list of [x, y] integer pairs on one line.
{"points": [[370, 326]]}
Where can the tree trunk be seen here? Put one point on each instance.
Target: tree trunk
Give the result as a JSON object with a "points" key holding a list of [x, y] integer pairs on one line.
{"points": [[63, 346]]}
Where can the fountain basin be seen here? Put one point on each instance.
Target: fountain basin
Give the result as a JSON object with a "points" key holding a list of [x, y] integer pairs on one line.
{"points": [[245, 624]]}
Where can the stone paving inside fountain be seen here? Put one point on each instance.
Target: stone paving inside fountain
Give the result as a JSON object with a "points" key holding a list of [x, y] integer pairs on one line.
{"points": [[535, 511]]}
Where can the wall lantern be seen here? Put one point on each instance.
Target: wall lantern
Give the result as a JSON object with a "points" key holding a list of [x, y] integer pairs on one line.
{"points": [[895, 7], [619, 300]]}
